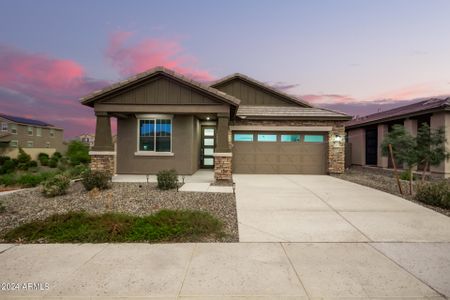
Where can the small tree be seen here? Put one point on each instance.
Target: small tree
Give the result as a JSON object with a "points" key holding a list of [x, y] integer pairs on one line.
{"points": [[78, 153], [404, 147], [431, 149]]}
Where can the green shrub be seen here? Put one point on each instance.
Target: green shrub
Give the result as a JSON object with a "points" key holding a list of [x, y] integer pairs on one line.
{"points": [[43, 159], [78, 153], [405, 176], [55, 186], [32, 164], [9, 166], [56, 155], [435, 193], [76, 171], [23, 157], [53, 163], [3, 159], [167, 179], [8, 180], [96, 179]]}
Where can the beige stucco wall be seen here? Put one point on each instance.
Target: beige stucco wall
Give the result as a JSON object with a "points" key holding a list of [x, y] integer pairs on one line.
{"points": [[357, 139], [33, 152], [442, 119], [184, 160], [382, 161]]}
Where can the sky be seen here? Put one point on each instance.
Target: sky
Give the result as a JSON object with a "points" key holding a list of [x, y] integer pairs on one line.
{"points": [[354, 56]]}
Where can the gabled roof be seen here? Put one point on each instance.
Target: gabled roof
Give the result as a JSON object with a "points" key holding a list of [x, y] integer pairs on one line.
{"points": [[91, 98], [426, 106], [262, 85], [25, 121], [261, 112]]}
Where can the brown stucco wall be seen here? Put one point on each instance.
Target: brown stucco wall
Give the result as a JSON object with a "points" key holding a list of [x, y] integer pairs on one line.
{"points": [[185, 152], [336, 150], [357, 139], [439, 120]]}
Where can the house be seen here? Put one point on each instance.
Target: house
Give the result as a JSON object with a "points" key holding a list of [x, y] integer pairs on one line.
{"points": [[86, 138], [32, 136], [236, 124], [366, 134]]}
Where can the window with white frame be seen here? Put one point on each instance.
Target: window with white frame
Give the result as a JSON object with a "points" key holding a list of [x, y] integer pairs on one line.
{"points": [[4, 126], [38, 131], [52, 132], [14, 143], [13, 128], [155, 134], [30, 130], [30, 144]]}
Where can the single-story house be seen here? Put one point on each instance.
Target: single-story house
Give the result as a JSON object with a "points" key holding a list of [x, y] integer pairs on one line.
{"points": [[236, 124], [366, 134]]}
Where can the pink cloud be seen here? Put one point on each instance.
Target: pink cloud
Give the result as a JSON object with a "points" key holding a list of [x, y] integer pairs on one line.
{"points": [[409, 92], [131, 58], [327, 98]]}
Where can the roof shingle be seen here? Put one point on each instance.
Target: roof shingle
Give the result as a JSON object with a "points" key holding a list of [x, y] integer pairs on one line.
{"points": [[288, 111]]}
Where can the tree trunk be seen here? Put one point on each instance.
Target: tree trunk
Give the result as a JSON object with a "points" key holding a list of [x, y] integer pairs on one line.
{"points": [[424, 170], [395, 169], [410, 180]]}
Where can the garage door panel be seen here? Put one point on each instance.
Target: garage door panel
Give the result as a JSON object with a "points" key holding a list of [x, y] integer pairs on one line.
{"points": [[280, 157]]}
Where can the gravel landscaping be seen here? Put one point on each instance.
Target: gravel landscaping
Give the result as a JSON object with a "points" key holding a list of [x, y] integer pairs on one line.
{"points": [[132, 198], [384, 182]]}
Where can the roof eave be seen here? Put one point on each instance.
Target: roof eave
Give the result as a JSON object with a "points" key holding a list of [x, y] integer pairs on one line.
{"points": [[321, 118]]}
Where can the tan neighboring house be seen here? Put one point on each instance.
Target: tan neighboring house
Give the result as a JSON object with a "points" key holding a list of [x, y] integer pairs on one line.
{"points": [[86, 138], [234, 125], [32, 136], [366, 134]]}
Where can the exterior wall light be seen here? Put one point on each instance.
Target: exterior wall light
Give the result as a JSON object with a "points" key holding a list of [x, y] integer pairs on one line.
{"points": [[337, 139]]}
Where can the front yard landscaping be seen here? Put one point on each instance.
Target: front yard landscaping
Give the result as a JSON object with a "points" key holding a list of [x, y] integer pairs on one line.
{"points": [[125, 208]]}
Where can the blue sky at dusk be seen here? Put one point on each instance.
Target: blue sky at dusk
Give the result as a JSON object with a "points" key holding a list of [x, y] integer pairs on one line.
{"points": [[353, 56]]}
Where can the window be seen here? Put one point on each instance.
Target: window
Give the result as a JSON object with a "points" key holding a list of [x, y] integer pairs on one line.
{"points": [[313, 138], [290, 137], [208, 151], [267, 137], [208, 131], [52, 132], [47, 144], [14, 143], [243, 137], [155, 135], [30, 130], [30, 144], [4, 126], [38, 131], [13, 128]]}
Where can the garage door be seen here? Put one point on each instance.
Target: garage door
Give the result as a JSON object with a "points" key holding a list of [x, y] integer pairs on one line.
{"points": [[279, 153]]}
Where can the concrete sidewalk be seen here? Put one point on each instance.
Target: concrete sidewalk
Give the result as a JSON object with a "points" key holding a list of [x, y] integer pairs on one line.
{"points": [[243, 270]]}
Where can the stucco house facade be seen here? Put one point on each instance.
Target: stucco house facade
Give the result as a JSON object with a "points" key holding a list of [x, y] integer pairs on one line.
{"points": [[365, 134], [236, 124]]}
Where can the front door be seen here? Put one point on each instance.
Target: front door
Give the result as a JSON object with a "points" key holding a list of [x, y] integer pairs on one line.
{"points": [[207, 147]]}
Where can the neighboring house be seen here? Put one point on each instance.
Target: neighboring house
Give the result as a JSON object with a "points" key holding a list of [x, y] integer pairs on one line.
{"points": [[366, 134], [86, 138], [237, 124], [32, 136]]}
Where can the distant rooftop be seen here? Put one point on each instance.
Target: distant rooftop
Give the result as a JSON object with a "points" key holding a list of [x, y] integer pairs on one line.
{"points": [[425, 106], [26, 121]]}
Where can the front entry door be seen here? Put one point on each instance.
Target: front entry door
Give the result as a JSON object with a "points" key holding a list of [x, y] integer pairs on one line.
{"points": [[207, 149]]}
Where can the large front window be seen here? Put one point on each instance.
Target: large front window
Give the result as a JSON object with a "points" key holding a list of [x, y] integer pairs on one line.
{"points": [[155, 135]]}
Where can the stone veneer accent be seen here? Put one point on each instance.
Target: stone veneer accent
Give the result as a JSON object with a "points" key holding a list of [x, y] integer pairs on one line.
{"points": [[336, 150], [222, 167], [102, 162]]}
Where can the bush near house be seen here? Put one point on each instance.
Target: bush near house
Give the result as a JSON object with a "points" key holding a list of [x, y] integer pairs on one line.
{"points": [[3, 159], [55, 186], [78, 153], [8, 166], [167, 179], [96, 179], [436, 193], [43, 159]]}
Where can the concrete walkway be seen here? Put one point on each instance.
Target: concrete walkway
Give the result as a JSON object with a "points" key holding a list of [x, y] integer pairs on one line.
{"points": [[243, 270]]}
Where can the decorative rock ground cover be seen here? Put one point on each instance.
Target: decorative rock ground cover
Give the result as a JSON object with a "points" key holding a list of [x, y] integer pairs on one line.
{"points": [[131, 198]]}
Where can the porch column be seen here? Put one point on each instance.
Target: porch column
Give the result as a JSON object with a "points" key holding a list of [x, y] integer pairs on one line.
{"points": [[336, 149], [102, 154], [222, 153], [382, 161], [439, 120]]}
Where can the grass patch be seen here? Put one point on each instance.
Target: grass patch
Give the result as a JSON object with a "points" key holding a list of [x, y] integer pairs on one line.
{"points": [[81, 227]]}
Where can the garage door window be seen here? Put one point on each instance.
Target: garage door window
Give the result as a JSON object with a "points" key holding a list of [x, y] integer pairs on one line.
{"points": [[290, 137], [313, 139], [267, 137], [243, 137]]}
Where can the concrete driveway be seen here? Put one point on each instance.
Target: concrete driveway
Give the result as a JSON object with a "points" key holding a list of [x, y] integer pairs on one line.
{"points": [[314, 208]]}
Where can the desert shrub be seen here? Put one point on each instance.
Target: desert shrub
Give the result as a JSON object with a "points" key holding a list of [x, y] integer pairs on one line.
{"points": [[2, 208], [435, 193], [76, 171], [23, 159], [55, 186], [405, 176], [8, 179], [3, 159], [32, 164], [167, 179], [43, 158], [56, 155], [52, 163], [32, 180], [96, 179], [78, 153], [8, 166]]}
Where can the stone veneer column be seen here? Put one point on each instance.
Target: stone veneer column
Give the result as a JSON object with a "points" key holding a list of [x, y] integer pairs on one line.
{"points": [[336, 150], [382, 161], [442, 120], [103, 154], [222, 153]]}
